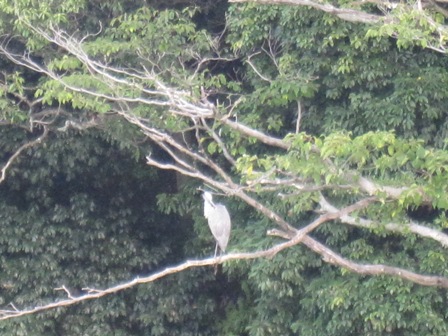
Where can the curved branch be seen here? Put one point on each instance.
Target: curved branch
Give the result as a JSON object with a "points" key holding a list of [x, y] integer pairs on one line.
{"points": [[366, 269], [19, 151]]}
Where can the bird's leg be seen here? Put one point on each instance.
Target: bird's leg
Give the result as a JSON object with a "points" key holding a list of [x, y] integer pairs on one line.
{"points": [[216, 250], [216, 265]]}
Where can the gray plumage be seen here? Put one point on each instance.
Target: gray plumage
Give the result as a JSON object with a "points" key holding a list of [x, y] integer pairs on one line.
{"points": [[218, 220]]}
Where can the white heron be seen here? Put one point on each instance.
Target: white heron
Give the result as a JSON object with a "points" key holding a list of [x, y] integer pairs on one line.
{"points": [[218, 220]]}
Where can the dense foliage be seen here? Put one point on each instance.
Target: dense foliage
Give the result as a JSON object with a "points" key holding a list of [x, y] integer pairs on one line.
{"points": [[82, 213], [343, 79], [80, 208]]}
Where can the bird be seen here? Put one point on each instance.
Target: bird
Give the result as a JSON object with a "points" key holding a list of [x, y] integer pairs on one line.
{"points": [[218, 220]]}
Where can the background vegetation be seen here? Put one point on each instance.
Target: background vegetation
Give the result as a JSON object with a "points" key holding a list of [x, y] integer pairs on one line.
{"points": [[81, 207]]}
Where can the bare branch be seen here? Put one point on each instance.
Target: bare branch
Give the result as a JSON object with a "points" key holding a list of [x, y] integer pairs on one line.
{"points": [[264, 138], [78, 125], [335, 259], [412, 226], [63, 288], [19, 151], [249, 61], [371, 188], [163, 95]]}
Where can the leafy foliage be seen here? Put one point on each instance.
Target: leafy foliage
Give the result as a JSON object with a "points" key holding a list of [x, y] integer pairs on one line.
{"points": [[345, 79], [81, 210]]}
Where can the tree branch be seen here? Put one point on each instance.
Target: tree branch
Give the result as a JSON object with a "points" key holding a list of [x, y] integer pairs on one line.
{"points": [[342, 13], [264, 138], [19, 151], [335, 259], [412, 226]]}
